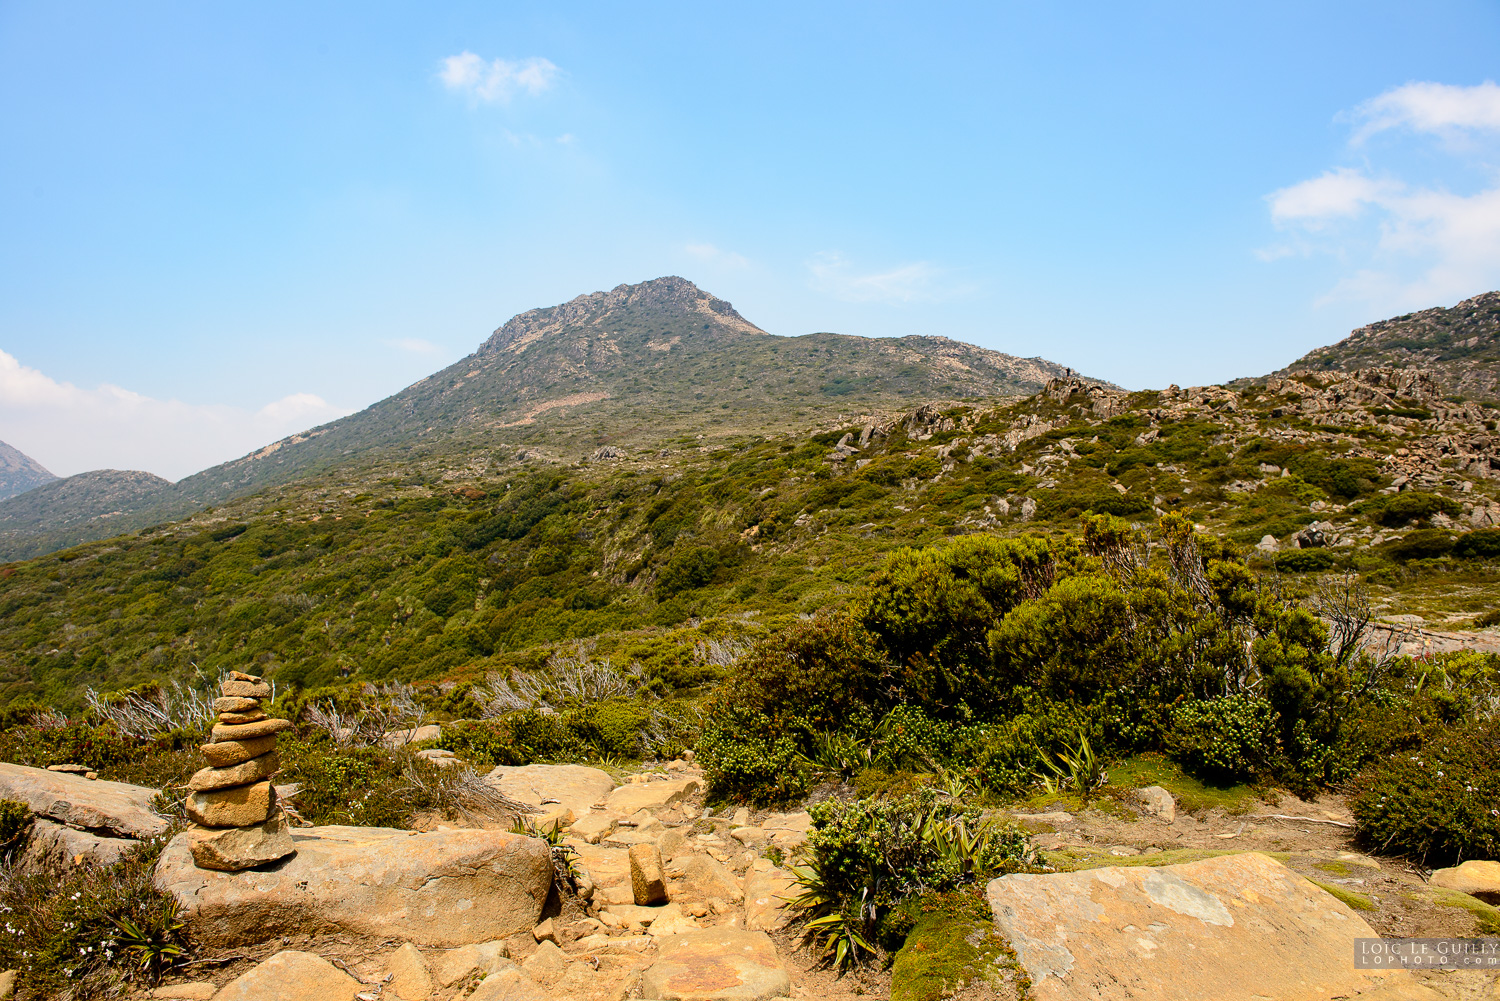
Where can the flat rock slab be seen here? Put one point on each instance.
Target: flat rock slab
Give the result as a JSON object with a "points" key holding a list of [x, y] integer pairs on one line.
{"points": [[1476, 878], [54, 847], [1233, 927], [291, 976], [445, 888], [116, 809], [627, 799], [575, 787], [716, 965]]}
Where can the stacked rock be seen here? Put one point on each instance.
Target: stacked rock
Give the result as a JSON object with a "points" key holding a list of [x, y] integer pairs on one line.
{"points": [[232, 800]]}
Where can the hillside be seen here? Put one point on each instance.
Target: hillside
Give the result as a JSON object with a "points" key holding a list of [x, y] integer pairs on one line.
{"points": [[20, 472], [417, 569], [640, 366], [1460, 346], [80, 508]]}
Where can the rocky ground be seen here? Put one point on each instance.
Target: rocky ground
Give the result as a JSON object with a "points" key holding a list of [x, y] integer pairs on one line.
{"points": [[675, 900]]}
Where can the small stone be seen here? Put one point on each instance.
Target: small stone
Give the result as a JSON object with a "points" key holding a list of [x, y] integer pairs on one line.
{"points": [[245, 689], [243, 773], [593, 827], [69, 769], [687, 755], [250, 716], [233, 849], [242, 676], [1158, 802], [707, 879], [411, 980], [7, 984], [222, 754], [91, 776], [486, 957], [249, 731], [235, 704], [547, 964], [241, 806], [545, 932], [741, 818], [508, 985], [647, 882]]}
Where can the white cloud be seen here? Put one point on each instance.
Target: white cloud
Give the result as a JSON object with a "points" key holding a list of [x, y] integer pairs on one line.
{"points": [[708, 252], [918, 281], [1344, 192], [1437, 108], [1407, 242], [499, 79], [70, 430], [414, 344]]}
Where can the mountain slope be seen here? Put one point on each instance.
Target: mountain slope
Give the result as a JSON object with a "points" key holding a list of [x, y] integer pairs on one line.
{"points": [[1459, 345], [81, 508], [19, 472], [637, 366], [630, 367]]}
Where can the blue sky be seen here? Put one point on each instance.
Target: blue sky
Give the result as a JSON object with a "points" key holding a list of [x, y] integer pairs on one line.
{"points": [[221, 226]]}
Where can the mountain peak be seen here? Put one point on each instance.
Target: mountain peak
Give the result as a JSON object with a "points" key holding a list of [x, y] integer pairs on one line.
{"points": [[19, 472], [669, 292]]}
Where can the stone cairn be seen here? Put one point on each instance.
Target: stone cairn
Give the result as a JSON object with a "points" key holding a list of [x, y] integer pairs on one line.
{"points": [[232, 801]]}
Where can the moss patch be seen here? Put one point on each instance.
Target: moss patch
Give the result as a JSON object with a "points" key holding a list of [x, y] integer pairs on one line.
{"points": [[1333, 868], [1191, 794], [1356, 901], [947, 956], [1487, 915]]}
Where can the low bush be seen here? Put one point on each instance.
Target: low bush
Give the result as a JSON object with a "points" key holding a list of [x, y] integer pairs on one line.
{"points": [[863, 858], [1305, 561], [1232, 738], [1438, 804], [90, 932], [1423, 544], [1483, 544]]}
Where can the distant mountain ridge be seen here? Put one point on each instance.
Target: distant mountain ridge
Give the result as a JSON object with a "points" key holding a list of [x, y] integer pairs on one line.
{"points": [[635, 366], [19, 472], [80, 508], [1459, 345]]}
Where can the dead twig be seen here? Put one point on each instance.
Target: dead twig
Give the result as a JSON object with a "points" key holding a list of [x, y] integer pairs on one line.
{"points": [[1307, 820]]}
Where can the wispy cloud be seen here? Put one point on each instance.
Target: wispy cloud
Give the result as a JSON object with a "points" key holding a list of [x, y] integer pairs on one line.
{"points": [[70, 430], [919, 281], [724, 258], [1406, 242], [1435, 108], [497, 80], [413, 344]]}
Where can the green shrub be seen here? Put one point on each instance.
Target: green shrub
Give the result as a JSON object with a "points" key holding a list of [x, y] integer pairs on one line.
{"points": [[488, 742], [748, 757], [1439, 803], [357, 786], [686, 570], [1228, 739], [1424, 544], [15, 824], [1483, 544], [1408, 506], [1305, 561], [908, 737], [865, 857], [617, 727], [91, 932]]}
